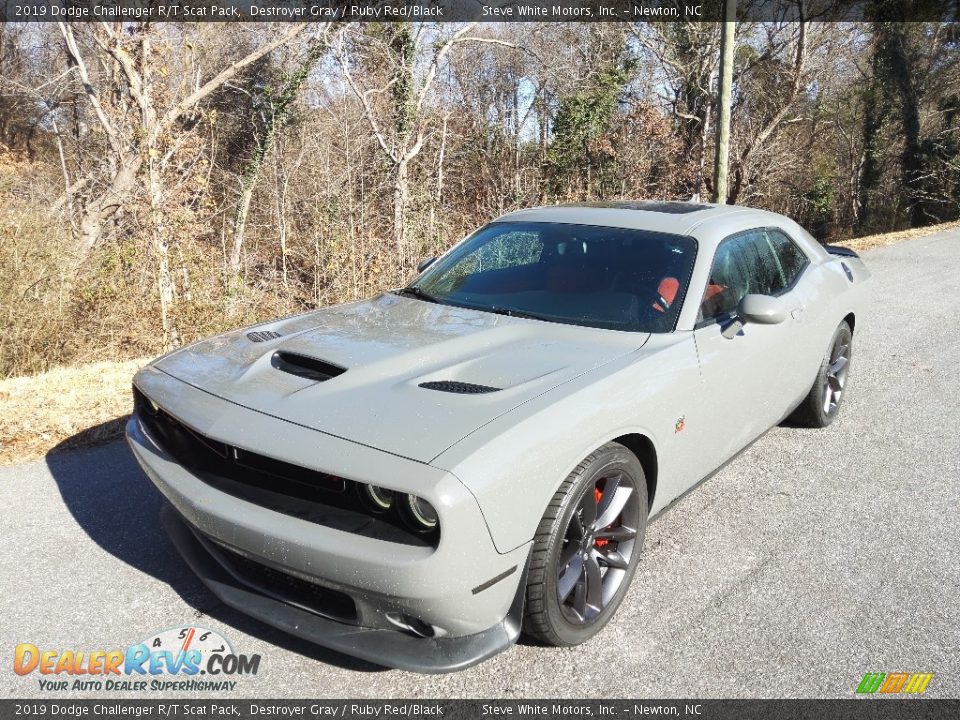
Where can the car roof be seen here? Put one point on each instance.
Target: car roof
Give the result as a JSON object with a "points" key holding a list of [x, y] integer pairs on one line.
{"points": [[667, 216]]}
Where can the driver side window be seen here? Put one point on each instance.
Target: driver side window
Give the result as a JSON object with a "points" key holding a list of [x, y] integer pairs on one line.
{"points": [[743, 264]]}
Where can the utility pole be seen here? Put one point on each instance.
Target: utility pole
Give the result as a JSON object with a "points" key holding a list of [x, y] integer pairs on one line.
{"points": [[726, 81]]}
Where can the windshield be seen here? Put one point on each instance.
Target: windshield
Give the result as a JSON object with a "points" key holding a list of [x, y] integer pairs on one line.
{"points": [[604, 277]]}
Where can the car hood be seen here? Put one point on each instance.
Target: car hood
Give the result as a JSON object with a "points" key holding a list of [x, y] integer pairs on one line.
{"points": [[389, 347]]}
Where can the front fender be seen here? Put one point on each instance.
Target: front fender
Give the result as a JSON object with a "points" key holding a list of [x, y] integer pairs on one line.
{"points": [[515, 465]]}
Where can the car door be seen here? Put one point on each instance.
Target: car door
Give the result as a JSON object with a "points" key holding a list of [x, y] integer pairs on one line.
{"points": [[745, 369]]}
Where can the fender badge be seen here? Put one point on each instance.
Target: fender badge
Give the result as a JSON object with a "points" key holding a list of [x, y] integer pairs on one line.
{"points": [[681, 424]]}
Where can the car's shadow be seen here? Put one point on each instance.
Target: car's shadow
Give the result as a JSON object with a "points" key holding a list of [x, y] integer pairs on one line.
{"points": [[116, 505]]}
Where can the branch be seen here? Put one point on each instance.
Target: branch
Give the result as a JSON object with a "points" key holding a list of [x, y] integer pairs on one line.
{"points": [[368, 113], [412, 152], [67, 31], [226, 74], [497, 41], [800, 58], [69, 192], [127, 66], [435, 63]]}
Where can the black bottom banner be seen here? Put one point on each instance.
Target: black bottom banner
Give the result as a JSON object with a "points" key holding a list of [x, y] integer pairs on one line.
{"points": [[379, 709]]}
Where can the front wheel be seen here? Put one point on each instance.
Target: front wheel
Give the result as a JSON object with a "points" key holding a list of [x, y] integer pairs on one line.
{"points": [[822, 404], [587, 548]]}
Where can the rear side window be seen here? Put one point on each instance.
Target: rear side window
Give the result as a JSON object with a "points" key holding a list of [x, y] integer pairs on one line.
{"points": [[762, 261], [790, 258]]}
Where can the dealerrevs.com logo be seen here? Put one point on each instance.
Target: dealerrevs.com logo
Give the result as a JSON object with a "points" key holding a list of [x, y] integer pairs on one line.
{"points": [[180, 659]]}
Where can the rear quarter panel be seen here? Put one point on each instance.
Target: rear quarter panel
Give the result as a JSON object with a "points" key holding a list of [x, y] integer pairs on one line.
{"points": [[837, 292]]}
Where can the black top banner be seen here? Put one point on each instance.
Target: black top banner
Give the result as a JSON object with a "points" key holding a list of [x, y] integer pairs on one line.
{"points": [[472, 10], [613, 709]]}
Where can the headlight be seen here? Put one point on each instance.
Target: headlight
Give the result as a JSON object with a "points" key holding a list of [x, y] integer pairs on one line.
{"points": [[376, 498], [419, 513]]}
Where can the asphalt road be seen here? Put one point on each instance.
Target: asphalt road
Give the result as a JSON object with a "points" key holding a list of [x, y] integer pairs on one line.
{"points": [[814, 557]]}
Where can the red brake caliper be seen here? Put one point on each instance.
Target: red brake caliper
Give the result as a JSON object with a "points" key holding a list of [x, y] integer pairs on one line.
{"points": [[599, 542]]}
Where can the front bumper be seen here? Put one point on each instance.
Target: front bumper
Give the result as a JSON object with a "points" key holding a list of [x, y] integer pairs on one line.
{"points": [[379, 646], [445, 587]]}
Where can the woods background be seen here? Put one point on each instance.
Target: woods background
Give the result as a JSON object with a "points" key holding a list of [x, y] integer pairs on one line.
{"points": [[159, 183]]}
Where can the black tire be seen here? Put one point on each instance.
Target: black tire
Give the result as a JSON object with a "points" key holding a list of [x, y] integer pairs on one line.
{"points": [[614, 548], [822, 404]]}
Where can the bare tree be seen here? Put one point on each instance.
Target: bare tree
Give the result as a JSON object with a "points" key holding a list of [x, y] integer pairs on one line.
{"points": [[276, 115], [145, 129], [794, 83], [394, 98], [685, 55]]}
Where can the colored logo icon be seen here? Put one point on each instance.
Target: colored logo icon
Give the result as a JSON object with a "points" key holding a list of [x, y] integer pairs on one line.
{"points": [[894, 683]]}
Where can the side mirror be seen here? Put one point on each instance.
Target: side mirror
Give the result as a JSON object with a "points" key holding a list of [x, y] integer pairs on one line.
{"points": [[424, 264], [762, 309]]}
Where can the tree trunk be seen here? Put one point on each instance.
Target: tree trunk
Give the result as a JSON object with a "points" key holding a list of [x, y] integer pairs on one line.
{"points": [[283, 183], [278, 116], [165, 284], [67, 185], [438, 197], [911, 160], [98, 211], [240, 222], [401, 199], [702, 163]]}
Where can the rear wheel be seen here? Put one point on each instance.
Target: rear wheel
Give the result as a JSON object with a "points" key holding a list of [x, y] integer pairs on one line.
{"points": [[822, 404], [587, 548]]}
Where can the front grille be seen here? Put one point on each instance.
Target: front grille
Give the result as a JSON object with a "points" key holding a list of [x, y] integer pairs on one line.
{"points": [[202, 454], [307, 595], [460, 388], [283, 487]]}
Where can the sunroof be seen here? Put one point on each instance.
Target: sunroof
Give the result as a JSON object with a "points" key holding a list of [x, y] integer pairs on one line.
{"points": [[662, 206]]}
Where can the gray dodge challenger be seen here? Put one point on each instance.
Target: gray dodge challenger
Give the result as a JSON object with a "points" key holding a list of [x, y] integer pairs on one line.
{"points": [[418, 478]]}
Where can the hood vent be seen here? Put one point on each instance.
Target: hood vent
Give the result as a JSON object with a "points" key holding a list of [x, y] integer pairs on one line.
{"points": [[461, 388], [306, 367], [262, 335]]}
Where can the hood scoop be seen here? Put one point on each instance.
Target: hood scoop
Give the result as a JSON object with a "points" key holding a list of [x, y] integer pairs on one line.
{"points": [[305, 366], [460, 388], [262, 335]]}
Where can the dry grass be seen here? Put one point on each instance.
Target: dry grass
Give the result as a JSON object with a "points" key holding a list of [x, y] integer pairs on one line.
{"points": [[66, 407], [874, 241]]}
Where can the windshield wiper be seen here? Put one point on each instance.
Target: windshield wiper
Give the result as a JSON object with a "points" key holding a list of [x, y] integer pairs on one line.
{"points": [[416, 292], [513, 312]]}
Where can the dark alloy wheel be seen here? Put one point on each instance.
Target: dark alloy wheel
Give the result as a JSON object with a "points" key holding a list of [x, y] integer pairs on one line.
{"points": [[822, 404], [587, 548], [838, 364]]}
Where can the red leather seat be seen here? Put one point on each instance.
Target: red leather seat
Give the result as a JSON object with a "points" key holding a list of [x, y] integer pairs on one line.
{"points": [[667, 290]]}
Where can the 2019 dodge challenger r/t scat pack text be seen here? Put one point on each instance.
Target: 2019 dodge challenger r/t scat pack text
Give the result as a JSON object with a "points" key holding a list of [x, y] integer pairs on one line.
{"points": [[417, 478]]}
